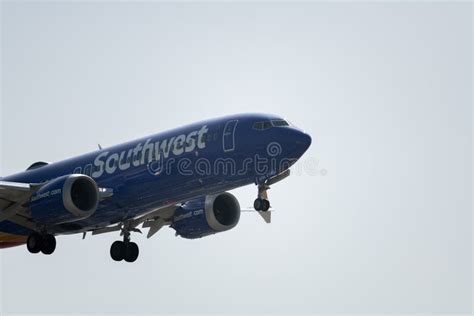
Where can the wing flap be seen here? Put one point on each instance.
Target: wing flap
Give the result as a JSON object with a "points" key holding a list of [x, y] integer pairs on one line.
{"points": [[13, 195]]}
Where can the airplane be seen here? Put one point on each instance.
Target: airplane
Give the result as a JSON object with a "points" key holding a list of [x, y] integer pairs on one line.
{"points": [[179, 178]]}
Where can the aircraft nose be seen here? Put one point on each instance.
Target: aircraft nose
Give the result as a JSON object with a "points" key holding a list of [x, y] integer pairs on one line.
{"points": [[298, 143], [303, 142]]}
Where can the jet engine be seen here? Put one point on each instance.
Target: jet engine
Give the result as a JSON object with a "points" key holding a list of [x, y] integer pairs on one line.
{"points": [[206, 216], [65, 199]]}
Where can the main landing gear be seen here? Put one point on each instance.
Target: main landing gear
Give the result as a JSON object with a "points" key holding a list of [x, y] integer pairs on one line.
{"points": [[46, 243], [262, 203], [124, 250]]}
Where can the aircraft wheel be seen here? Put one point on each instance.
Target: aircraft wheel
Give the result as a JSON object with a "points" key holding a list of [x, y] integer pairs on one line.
{"points": [[266, 205], [258, 204], [261, 205], [49, 244], [117, 250], [34, 243], [131, 252]]}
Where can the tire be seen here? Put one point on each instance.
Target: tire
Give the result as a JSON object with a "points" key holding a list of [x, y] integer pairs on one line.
{"points": [[131, 252], [34, 243], [49, 244], [257, 204], [117, 250], [266, 205]]}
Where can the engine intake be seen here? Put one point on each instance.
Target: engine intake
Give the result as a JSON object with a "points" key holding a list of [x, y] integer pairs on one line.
{"points": [[222, 211], [206, 216], [65, 199], [81, 195]]}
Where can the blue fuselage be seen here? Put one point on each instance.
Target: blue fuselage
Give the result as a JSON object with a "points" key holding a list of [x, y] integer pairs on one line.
{"points": [[175, 166]]}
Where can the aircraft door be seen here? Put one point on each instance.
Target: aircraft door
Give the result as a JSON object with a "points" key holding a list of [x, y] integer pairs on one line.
{"points": [[228, 136]]}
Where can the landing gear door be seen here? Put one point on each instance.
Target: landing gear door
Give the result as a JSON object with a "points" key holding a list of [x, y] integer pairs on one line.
{"points": [[228, 136]]}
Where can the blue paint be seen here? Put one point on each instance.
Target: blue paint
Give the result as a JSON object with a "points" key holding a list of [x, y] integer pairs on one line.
{"points": [[175, 166]]}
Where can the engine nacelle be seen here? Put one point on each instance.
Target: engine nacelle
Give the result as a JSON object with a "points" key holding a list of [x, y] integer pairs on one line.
{"points": [[206, 216], [65, 199]]}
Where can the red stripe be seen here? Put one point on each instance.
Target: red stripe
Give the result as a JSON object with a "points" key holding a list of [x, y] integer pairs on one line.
{"points": [[9, 244]]}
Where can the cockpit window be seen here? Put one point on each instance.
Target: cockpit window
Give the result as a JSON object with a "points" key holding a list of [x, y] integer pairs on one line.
{"points": [[260, 126], [267, 125], [263, 125], [278, 123]]}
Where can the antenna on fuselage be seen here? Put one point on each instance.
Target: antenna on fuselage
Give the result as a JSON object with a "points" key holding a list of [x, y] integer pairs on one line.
{"points": [[100, 147]]}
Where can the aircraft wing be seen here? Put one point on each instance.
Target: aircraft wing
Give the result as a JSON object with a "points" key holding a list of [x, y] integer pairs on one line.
{"points": [[13, 197], [15, 191], [154, 220]]}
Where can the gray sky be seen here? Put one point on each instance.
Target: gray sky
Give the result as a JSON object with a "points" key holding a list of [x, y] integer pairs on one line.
{"points": [[384, 89]]}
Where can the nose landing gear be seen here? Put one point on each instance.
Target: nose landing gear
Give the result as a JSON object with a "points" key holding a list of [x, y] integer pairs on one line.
{"points": [[262, 203]]}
